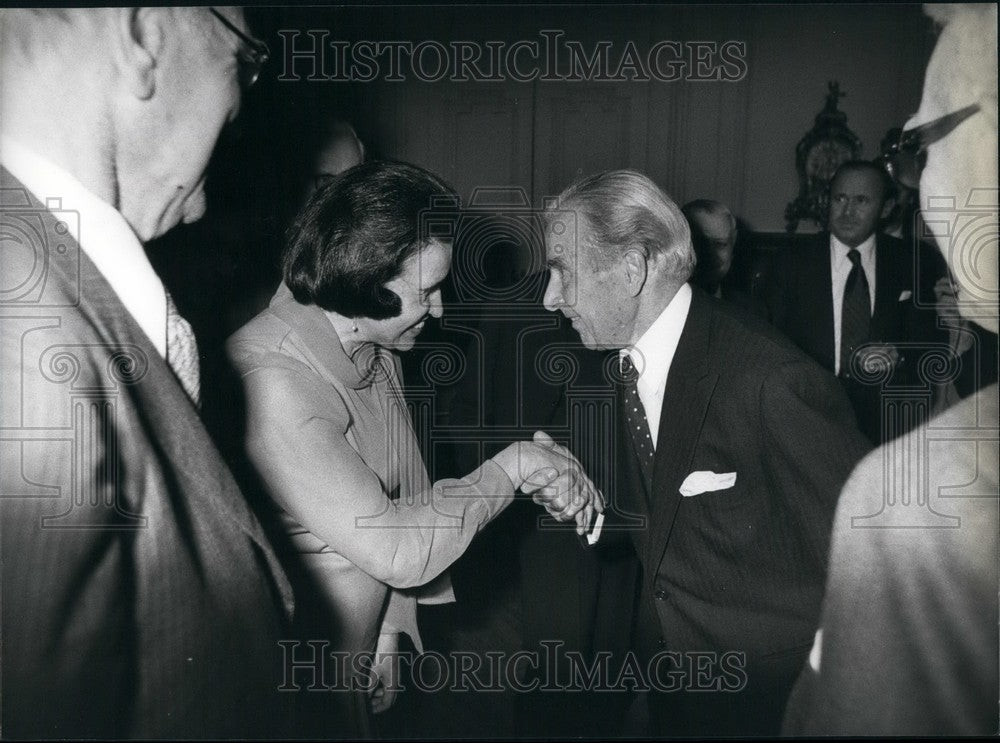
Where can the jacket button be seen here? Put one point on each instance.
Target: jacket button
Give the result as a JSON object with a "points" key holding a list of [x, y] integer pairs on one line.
{"points": [[660, 594], [662, 643]]}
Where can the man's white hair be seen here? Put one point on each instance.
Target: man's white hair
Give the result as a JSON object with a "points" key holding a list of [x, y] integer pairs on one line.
{"points": [[625, 209]]}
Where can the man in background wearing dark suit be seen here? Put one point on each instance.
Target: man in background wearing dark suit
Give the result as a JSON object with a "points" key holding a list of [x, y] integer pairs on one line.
{"points": [[140, 596], [908, 644], [732, 446], [713, 235], [722, 268], [855, 300]]}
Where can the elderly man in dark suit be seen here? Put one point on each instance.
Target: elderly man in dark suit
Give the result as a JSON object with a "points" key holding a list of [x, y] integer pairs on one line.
{"points": [[858, 301], [732, 448], [140, 596]]}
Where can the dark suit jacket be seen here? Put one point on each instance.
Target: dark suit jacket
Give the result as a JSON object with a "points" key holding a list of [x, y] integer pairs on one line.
{"points": [[140, 598], [800, 304], [740, 569]]}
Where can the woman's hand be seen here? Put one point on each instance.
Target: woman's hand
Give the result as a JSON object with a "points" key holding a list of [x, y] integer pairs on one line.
{"points": [[548, 494], [553, 476], [385, 672]]}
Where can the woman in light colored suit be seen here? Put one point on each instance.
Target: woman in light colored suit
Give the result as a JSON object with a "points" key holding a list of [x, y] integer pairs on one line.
{"points": [[330, 439]]}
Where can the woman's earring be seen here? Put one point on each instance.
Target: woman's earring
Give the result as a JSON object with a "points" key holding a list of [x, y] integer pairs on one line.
{"points": [[354, 327]]}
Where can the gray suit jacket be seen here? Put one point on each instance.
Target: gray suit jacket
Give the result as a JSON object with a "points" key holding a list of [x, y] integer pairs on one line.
{"points": [[140, 598], [909, 627]]}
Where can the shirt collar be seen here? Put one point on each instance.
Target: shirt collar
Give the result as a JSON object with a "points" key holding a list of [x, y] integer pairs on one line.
{"points": [[105, 237], [654, 352], [866, 249]]}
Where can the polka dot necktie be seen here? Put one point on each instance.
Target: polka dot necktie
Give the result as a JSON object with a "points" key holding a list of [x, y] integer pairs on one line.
{"points": [[635, 417], [856, 313], [182, 352]]}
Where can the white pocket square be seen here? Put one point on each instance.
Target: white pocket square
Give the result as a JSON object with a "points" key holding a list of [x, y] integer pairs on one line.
{"points": [[706, 482], [904, 295]]}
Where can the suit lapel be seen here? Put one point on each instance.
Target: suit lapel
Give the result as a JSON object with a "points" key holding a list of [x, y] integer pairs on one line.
{"points": [[176, 432], [689, 389], [887, 288]]}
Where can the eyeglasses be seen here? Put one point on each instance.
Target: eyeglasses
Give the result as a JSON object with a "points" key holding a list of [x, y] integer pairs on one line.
{"points": [[253, 53], [905, 159]]}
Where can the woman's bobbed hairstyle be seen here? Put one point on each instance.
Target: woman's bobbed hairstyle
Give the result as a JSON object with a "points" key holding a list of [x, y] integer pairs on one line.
{"points": [[355, 233]]}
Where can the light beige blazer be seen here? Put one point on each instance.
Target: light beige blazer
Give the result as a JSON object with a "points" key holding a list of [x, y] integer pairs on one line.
{"points": [[331, 440]]}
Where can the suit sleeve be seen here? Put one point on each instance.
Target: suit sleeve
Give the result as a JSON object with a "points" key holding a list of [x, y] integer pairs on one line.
{"points": [[297, 441], [813, 444]]}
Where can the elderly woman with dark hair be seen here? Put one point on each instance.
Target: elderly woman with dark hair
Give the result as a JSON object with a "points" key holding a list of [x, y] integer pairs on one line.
{"points": [[330, 439]]}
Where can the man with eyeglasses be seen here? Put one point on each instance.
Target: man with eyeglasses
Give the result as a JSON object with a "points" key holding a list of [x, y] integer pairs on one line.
{"points": [[858, 301], [140, 596], [908, 644]]}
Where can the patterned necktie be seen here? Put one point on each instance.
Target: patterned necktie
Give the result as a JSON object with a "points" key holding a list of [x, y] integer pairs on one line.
{"points": [[855, 319], [635, 417], [182, 352]]}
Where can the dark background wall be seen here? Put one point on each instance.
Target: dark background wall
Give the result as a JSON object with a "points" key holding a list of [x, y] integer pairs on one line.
{"points": [[733, 141]]}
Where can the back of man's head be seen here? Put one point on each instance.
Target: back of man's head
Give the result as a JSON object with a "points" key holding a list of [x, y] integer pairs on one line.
{"points": [[713, 234], [339, 149], [700, 207]]}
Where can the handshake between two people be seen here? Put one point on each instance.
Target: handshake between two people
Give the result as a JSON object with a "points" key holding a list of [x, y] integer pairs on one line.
{"points": [[554, 478]]}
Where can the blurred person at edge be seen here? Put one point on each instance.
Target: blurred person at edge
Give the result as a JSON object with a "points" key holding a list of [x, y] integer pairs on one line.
{"points": [[908, 639], [140, 596]]}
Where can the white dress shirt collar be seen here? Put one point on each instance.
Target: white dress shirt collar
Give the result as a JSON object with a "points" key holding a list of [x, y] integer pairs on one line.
{"points": [[105, 237], [653, 355], [839, 251]]}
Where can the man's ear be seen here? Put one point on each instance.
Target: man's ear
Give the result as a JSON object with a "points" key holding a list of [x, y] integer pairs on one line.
{"points": [[636, 268], [137, 39]]}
